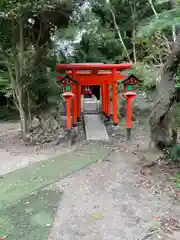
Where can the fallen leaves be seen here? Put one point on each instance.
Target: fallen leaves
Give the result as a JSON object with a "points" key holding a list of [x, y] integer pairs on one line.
{"points": [[170, 224], [162, 228]]}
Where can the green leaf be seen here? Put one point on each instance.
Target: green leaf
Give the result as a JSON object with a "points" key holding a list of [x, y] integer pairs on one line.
{"points": [[164, 21], [161, 2]]}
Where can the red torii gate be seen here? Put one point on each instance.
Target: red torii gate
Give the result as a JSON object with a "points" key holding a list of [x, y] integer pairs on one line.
{"points": [[94, 74]]}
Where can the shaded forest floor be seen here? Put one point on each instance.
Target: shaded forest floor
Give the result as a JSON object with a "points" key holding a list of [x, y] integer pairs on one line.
{"points": [[115, 198]]}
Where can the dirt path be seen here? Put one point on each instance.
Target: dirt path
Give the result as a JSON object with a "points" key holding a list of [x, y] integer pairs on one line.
{"points": [[109, 200]]}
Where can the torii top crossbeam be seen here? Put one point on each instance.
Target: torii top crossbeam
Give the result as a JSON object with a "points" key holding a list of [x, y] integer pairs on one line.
{"points": [[89, 66]]}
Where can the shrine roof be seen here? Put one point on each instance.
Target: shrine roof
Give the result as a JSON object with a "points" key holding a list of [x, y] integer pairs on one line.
{"points": [[129, 78]]}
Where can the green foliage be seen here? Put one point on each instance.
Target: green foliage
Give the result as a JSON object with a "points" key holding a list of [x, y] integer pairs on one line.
{"points": [[145, 73], [99, 47], [174, 113], [174, 116], [174, 120], [7, 108], [174, 153], [4, 81], [26, 28], [8, 111], [41, 83], [164, 21], [176, 179], [101, 43]]}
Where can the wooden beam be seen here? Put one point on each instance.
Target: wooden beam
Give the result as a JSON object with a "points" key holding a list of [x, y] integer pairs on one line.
{"points": [[89, 66]]}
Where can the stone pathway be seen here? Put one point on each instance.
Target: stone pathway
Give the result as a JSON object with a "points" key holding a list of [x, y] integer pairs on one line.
{"points": [[94, 127]]}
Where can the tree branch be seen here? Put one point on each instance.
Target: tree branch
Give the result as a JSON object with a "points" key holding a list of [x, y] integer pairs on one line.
{"points": [[118, 31]]}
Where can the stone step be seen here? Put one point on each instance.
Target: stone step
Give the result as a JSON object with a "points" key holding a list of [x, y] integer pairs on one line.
{"points": [[89, 105]]}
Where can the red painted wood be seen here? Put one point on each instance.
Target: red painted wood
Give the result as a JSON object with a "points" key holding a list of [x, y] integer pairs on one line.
{"points": [[92, 74], [129, 96], [122, 66], [86, 80], [129, 113]]}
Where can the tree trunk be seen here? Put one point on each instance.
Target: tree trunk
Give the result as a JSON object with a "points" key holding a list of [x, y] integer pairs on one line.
{"points": [[24, 123], [158, 121]]}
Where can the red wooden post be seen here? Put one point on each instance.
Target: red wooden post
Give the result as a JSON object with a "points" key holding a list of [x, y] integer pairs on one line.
{"points": [[129, 96], [68, 96], [74, 101], [108, 100], [114, 98], [78, 103], [68, 113], [105, 99], [129, 113], [102, 96]]}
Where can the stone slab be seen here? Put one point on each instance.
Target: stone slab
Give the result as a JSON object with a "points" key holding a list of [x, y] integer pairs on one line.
{"points": [[94, 127]]}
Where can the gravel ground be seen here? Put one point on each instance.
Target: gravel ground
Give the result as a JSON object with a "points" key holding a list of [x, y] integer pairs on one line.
{"points": [[109, 200]]}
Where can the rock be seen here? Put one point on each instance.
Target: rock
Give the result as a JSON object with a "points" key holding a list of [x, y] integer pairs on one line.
{"points": [[151, 156], [61, 137], [35, 122], [142, 105], [54, 124]]}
